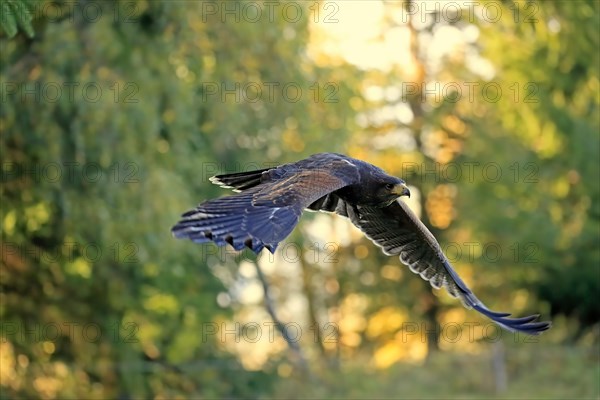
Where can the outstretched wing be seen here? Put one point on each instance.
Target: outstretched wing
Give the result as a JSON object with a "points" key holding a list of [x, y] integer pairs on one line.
{"points": [[267, 209], [398, 231]]}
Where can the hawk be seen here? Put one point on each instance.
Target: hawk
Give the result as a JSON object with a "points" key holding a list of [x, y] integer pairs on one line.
{"points": [[270, 201]]}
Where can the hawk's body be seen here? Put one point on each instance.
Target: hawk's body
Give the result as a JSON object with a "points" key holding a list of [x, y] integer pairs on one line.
{"points": [[271, 201]]}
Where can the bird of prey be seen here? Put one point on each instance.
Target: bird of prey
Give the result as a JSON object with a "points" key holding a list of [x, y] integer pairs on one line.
{"points": [[270, 201]]}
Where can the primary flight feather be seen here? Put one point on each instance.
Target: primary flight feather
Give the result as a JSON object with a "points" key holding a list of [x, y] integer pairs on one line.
{"points": [[270, 202]]}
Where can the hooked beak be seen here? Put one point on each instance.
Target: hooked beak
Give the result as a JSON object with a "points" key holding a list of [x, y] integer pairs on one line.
{"points": [[401, 190]]}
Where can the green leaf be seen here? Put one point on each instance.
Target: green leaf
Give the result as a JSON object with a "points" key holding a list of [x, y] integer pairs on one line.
{"points": [[23, 16], [8, 22], [16, 13]]}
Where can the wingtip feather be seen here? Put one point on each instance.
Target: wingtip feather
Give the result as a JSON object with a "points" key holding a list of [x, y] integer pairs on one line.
{"points": [[526, 324]]}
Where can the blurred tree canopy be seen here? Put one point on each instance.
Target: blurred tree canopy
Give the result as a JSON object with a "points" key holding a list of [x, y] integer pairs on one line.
{"points": [[114, 114]]}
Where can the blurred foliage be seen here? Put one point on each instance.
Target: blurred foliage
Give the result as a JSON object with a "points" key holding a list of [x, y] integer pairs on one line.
{"points": [[532, 373], [552, 133], [133, 145], [111, 126]]}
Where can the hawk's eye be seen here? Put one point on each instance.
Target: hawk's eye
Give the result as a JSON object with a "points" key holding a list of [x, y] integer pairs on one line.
{"points": [[389, 186]]}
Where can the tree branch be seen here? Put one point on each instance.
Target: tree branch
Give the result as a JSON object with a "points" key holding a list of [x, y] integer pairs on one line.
{"points": [[269, 304]]}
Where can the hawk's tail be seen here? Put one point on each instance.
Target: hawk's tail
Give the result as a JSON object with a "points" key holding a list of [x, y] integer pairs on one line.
{"points": [[239, 181]]}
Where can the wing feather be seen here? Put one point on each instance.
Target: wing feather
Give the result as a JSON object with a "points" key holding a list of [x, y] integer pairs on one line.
{"points": [[269, 205], [398, 231]]}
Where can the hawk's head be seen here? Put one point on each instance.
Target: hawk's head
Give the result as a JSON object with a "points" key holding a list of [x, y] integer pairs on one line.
{"points": [[390, 189]]}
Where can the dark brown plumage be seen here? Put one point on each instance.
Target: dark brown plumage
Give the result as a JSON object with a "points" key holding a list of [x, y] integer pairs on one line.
{"points": [[271, 201]]}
